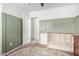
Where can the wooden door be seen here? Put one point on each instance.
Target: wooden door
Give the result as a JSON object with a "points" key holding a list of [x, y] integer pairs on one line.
{"points": [[76, 45]]}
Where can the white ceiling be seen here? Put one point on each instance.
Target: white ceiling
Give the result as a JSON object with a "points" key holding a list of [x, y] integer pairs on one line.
{"points": [[21, 6], [37, 6]]}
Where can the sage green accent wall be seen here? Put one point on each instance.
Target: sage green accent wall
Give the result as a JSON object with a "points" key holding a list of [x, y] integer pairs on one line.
{"points": [[69, 25], [77, 24], [12, 32], [64, 25], [43, 26], [57, 26]]}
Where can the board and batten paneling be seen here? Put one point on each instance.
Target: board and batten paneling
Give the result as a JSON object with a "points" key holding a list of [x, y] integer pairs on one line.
{"points": [[77, 24], [64, 25], [43, 38], [69, 25], [51, 25], [43, 26], [57, 26]]}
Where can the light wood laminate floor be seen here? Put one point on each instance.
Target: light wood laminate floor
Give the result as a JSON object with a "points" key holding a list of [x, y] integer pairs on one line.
{"points": [[36, 50]]}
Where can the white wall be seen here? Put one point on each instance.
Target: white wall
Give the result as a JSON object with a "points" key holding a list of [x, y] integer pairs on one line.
{"points": [[26, 29], [17, 9], [32, 28], [20, 10], [0, 28], [36, 29], [78, 9], [43, 38]]}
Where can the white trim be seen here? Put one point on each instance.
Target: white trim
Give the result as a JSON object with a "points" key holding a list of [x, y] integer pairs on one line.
{"points": [[13, 50]]}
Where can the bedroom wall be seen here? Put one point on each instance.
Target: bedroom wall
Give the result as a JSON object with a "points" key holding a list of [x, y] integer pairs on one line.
{"points": [[35, 28], [20, 10], [26, 29], [32, 28]]}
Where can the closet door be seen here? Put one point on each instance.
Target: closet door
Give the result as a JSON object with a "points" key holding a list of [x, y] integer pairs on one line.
{"points": [[11, 33], [3, 32], [19, 31]]}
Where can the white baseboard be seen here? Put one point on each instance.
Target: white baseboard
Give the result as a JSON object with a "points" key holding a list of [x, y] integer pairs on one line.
{"points": [[26, 42], [14, 49]]}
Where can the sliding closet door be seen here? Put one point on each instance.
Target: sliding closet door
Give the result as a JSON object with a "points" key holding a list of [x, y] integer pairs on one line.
{"points": [[19, 31], [11, 33], [3, 32]]}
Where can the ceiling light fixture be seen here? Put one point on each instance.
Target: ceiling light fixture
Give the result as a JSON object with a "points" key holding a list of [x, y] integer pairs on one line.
{"points": [[42, 4]]}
